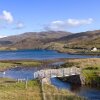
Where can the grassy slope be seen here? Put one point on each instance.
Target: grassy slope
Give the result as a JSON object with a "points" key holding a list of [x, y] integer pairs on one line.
{"points": [[53, 93], [12, 90]]}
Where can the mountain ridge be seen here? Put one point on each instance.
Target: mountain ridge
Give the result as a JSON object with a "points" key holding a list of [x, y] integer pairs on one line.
{"points": [[30, 38], [46, 39]]}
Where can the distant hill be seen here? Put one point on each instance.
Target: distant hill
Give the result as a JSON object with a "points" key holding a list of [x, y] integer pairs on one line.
{"points": [[30, 40], [52, 40], [84, 39]]}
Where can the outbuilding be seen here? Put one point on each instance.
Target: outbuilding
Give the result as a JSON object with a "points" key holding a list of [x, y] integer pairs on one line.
{"points": [[94, 49]]}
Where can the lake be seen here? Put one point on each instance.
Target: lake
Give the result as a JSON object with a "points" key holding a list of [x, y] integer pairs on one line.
{"points": [[38, 55]]}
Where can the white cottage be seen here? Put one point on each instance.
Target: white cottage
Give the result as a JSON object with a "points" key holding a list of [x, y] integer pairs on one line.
{"points": [[94, 49]]}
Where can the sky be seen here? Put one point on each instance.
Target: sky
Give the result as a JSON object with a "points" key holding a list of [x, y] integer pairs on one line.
{"points": [[19, 16]]}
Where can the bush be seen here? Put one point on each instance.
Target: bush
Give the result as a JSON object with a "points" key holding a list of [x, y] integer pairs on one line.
{"points": [[91, 68], [70, 64]]}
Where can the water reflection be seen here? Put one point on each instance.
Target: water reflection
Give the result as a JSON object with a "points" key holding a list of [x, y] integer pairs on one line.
{"points": [[87, 92]]}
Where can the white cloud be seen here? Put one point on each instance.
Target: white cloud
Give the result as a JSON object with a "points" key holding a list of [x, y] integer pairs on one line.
{"points": [[2, 36], [7, 20], [69, 23], [19, 25], [6, 16], [76, 22]]}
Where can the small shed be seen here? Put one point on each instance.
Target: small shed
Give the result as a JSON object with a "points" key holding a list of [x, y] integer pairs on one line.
{"points": [[94, 49]]}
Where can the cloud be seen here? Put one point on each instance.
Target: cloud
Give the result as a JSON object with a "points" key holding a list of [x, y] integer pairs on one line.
{"points": [[6, 16], [7, 20], [19, 25], [2, 36], [76, 22], [69, 23]]}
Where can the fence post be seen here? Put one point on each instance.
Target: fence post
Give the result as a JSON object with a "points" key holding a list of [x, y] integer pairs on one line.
{"points": [[26, 83]]}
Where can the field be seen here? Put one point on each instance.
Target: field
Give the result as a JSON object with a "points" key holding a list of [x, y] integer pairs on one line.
{"points": [[13, 90]]}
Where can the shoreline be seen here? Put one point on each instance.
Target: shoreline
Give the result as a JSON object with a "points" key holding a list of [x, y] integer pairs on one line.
{"points": [[79, 53], [61, 51], [8, 64]]}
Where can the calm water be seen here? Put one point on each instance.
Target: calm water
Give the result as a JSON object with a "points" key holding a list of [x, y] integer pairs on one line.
{"points": [[19, 73], [87, 92], [38, 55], [24, 72]]}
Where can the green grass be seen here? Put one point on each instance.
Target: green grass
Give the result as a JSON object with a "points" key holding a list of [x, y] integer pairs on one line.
{"points": [[10, 64], [4, 65], [70, 64], [91, 75], [12, 90], [29, 63], [90, 69], [52, 93]]}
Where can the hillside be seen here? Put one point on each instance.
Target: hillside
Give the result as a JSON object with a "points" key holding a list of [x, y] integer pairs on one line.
{"points": [[82, 40], [31, 40], [56, 40]]}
